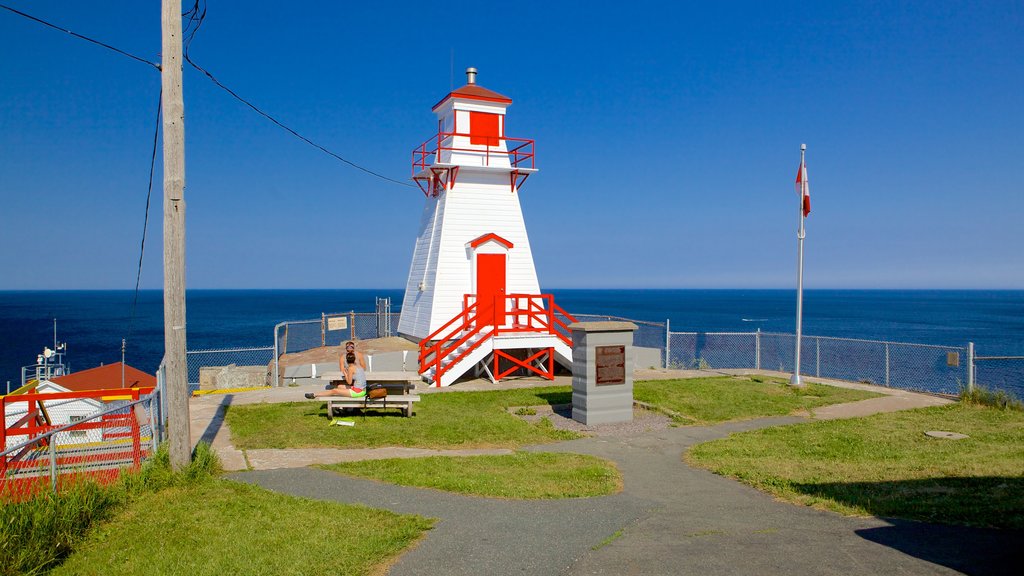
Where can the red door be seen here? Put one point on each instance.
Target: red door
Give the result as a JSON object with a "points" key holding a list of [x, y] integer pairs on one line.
{"points": [[490, 288]]}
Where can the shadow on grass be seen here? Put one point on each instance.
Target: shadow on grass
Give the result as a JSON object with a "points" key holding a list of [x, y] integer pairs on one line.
{"points": [[972, 525], [973, 551], [556, 398], [989, 501]]}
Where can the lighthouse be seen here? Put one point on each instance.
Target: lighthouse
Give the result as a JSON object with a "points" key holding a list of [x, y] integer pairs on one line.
{"points": [[472, 299]]}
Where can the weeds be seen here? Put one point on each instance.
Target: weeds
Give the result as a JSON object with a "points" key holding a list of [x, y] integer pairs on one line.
{"points": [[983, 396], [38, 533]]}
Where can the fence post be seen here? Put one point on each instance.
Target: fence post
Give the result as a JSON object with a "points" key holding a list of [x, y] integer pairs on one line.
{"points": [[757, 349], [277, 366], [817, 356], [886, 364], [152, 425], [352, 324], [668, 341], [323, 329], [970, 367], [3, 437], [53, 464]]}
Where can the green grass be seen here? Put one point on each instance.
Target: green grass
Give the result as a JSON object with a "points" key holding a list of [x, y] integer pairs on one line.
{"points": [[523, 475], [720, 399], [884, 465], [222, 527], [38, 533], [984, 396], [448, 420]]}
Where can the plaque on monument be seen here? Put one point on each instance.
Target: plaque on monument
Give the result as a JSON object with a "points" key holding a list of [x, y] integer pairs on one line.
{"points": [[610, 365]]}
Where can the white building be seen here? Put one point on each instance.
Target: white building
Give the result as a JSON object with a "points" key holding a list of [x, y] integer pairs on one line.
{"points": [[472, 298]]}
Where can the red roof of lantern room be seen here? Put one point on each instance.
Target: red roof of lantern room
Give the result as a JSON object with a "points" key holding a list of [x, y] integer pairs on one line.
{"points": [[475, 92], [105, 377]]}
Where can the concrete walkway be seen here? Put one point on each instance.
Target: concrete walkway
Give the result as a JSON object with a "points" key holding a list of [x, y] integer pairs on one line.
{"points": [[670, 518]]}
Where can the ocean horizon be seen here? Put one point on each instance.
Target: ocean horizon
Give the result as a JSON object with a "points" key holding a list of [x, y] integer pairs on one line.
{"points": [[93, 322]]}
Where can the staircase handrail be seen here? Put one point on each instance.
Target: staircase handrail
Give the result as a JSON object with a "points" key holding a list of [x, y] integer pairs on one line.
{"points": [[442, 347], [464, 316], [540, 310]]}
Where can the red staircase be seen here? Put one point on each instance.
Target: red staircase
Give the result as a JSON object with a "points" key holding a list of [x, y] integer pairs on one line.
{"points": [[465, 335]]}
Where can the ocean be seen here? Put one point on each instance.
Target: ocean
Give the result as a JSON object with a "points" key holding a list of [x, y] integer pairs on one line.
{"points": [[92, 323]]}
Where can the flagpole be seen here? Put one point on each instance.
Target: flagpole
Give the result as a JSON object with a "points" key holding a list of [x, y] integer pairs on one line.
{"points": [[795, 380]]}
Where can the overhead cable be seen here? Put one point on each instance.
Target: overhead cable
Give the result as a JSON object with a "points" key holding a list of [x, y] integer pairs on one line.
{"points": [[195, 17], [77, 35], [145, 220]]}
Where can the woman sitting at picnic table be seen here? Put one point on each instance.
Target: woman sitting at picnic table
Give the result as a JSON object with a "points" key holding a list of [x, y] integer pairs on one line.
{"points": [[350, 348], [355, 381]]}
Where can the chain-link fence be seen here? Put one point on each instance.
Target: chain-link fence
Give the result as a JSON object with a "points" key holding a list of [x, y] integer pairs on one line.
{"points": [[922, 367], [229, 368], [647, 335], [1000, 373], [333, 330], [52, 438]]}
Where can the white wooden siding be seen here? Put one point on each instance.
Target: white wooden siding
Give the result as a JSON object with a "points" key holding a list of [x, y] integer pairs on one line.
{"points": [[480, 203]]}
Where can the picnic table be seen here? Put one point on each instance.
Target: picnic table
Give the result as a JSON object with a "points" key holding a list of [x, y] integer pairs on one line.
{"points": [[398, 384]]}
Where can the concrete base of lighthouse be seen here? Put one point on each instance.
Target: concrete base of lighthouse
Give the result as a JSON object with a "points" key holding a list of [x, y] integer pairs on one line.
{"points": [[602, 372]]}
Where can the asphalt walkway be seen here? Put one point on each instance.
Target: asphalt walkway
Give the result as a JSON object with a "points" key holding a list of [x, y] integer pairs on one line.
{"points": [[670, 518]]}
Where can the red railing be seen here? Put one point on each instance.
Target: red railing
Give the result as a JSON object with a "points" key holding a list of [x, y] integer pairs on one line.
{"points": [[520, 151], [513, 313], [436, 348], [119, 442]]}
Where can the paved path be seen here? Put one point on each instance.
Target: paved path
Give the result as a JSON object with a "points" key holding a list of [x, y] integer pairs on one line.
{"points": [[673, 519], [670, 518]]}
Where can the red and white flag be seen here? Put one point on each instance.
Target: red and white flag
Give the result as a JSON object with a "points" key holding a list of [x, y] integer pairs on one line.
{"points": [[803, 186]]}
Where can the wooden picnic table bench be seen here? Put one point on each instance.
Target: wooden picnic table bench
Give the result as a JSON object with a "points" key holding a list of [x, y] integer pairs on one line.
{"points": [[403, 402], [398, 384]]}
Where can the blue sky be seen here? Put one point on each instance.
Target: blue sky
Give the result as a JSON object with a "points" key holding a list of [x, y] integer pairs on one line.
{"points": [[667, 136]]}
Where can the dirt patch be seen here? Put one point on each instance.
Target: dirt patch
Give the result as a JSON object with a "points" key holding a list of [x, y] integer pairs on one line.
{"points": [[560, 416]]}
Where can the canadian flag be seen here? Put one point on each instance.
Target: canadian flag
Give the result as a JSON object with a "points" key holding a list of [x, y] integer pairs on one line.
{"points": [[803, 186]]}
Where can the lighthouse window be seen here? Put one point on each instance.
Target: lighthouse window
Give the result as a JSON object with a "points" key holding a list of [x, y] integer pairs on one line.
{"points": [[484, 128]]}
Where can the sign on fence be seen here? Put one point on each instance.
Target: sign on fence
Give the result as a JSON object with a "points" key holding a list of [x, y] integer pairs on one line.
{"points": [[337, 323]]}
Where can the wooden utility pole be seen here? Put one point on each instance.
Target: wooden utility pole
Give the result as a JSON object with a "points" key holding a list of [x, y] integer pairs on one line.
{"points": [[176, 382]]}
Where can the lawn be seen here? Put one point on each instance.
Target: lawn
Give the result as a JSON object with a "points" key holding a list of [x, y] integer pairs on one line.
{"points": [[482, 420], [884, 465], [523, 475], [223, 527], [720, 399], [446, 420]]}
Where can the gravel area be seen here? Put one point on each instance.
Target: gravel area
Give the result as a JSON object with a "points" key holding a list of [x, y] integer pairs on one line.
{"points": [[560, 415]]}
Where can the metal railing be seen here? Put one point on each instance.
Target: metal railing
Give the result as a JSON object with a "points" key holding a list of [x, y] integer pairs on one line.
{"points": [[999, 373], [330, 330], [921, 367], [61, 443], [647, 335], [519, 152], [230, 368]]}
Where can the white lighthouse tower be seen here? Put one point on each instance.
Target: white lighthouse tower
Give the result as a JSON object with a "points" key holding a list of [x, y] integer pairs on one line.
{"points": [[472, 299]]}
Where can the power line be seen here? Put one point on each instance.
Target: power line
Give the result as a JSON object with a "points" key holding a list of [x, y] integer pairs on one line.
{"points": [[77, 35], [145, 221], [195, 17]]}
